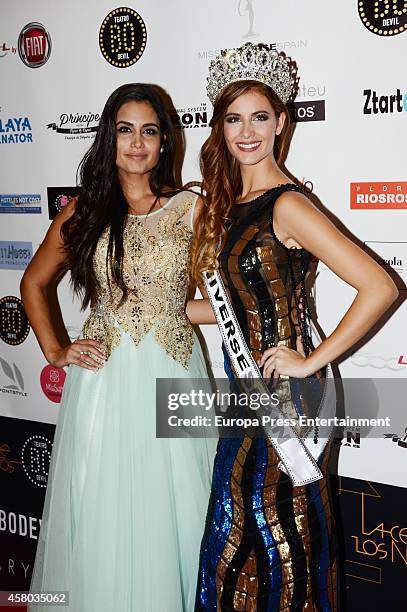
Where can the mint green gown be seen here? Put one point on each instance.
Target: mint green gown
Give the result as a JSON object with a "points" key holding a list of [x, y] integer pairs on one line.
{"points": [[124, 511]]}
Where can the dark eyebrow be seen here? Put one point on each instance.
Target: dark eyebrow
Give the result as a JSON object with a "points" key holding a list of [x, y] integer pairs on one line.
{"points": [[255, 113], [144, 125]]}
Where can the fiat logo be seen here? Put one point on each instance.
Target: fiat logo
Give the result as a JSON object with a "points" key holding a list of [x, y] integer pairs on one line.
{"points": [[34, 45]]}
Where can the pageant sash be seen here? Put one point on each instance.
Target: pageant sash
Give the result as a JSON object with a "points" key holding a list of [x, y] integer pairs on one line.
{"points": [[298, 456]]}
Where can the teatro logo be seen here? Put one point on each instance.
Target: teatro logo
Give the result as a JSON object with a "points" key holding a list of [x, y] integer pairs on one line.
{"points": [[36, 456], [14, 325], [385, 104], [76, 126], [52, 382], [15, 255], [378, 196], [58, 198], [15, 381], [15, 130], [384, 17], [122, 37], [34, 45], [23, 203], [191, 117]]}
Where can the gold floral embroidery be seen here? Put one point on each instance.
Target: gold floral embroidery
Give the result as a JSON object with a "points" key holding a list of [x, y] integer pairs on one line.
{"points": [[155, 271]]}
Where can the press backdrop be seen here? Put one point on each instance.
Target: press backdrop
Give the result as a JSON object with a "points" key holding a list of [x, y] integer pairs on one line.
{"points": [[59, 61]]}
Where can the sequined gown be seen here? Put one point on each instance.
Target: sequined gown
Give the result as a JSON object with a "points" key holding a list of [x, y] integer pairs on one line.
{"points": [[267, 546], [124, 511]]}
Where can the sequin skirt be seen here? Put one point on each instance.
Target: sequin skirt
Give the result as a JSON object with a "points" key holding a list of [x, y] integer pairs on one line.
{"points": [[267, 546]]}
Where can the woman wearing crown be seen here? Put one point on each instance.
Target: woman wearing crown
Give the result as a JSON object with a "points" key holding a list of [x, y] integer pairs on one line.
{"points": [[269, 540]]}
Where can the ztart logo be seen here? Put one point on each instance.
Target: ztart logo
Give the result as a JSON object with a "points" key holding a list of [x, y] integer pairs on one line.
{"points": [[378, 196], [385, 104]]}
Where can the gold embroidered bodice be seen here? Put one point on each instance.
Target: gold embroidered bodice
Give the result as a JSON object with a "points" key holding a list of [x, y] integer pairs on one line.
{"points": [[156, 274]]}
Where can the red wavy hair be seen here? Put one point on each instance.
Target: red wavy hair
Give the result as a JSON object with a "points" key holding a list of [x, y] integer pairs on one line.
{"points": [[221, 179]]}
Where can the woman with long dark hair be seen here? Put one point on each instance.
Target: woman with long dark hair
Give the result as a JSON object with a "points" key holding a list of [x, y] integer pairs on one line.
{"points": [[124, 511], [269, 539]]}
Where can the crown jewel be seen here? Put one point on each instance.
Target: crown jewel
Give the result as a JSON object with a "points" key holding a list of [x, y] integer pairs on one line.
{"points": [[251, 62]]}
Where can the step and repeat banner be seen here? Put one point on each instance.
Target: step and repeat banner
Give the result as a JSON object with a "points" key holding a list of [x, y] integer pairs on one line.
{"points": [[58, 64]]}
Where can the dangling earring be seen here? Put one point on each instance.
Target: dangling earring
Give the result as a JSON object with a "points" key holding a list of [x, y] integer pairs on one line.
{"points": [[162, 149]]}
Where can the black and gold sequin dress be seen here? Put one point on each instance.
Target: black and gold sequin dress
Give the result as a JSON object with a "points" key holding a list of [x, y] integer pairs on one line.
{"points": [[268, 546]]}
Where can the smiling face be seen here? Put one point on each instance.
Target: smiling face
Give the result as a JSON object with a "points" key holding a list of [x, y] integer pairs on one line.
{"points": [[138, 138], [250, 127]]}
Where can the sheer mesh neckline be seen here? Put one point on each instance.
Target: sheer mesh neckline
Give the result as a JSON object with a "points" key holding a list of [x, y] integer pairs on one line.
{"points": [[154, 212], [262, 194]]}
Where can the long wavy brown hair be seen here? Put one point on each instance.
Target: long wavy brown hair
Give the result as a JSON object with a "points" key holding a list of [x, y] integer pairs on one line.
{"points": [[221, 178]]}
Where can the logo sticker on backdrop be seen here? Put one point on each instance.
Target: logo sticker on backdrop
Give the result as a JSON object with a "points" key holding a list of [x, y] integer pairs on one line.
{"points": [[384, 104], [281, 45], [76, 126], [6, 48], [399, 440], [245, 8], [378, 196], [385, 17], [20, 203], [15, 255], [52, 382], [13, 379], [392, 256], [14, 325], [367, 359], [122, 37], [307, 111], [191, 117], [8, 464], [58, 198], [34, 45], [36, 456], [15, 130]]}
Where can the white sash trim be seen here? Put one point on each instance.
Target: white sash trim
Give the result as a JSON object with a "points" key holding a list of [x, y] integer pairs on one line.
{"points": [[298, 456]]}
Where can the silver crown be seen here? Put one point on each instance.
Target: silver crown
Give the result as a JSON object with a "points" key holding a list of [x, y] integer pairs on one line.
{"points": [[252, 62]]}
